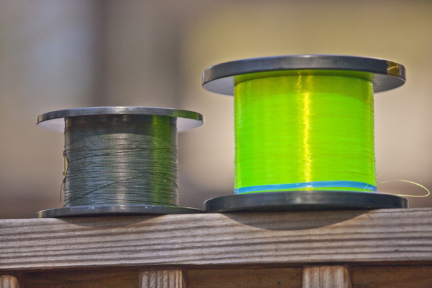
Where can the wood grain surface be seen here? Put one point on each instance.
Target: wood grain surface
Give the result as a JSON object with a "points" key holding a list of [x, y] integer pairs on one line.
{"points": [[392, 277], [7, 281], [326, 277], [162, 278], [78, 278], [263, 277], [382, 236]]}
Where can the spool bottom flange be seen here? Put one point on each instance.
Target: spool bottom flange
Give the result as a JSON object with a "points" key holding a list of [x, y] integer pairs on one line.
{"points": [[303, 201], [114, 210]]}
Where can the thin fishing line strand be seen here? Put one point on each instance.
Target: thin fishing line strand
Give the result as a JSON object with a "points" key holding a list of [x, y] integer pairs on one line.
{"points": [[402, 195], [121, 160], [304, 129]]}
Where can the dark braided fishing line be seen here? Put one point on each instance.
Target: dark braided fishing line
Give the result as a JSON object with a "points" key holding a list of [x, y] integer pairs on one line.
{"points": [[121, 160]]}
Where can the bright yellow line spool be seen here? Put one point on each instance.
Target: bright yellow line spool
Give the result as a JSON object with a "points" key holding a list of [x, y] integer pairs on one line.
{"points": [[305, 131]]}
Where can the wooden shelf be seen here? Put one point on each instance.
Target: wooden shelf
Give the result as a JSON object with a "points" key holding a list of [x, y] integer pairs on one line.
{"points": [[382, 247]]}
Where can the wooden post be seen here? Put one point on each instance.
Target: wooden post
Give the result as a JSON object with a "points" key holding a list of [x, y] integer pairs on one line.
{"points": [[326, 277], [162, 278], [7, 281]]}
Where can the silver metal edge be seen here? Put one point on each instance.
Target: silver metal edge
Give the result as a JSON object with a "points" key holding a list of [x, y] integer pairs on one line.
{"points": [[303, 201], [79, 211], [119, 110], [388, 74], [123, 110]]}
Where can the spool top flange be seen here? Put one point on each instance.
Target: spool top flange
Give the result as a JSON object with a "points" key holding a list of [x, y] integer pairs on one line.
{"points": [[384, 74], [54, 121]]}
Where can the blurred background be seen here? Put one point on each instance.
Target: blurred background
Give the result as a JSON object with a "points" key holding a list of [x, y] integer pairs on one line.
{"points": [[57, 54]]}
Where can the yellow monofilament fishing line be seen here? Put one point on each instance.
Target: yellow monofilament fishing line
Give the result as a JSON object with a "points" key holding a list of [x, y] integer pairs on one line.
{"points": [[304, 132]]}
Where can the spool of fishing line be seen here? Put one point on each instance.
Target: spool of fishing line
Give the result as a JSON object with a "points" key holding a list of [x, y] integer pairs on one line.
{"points": [[304, 131], [120, 160]]}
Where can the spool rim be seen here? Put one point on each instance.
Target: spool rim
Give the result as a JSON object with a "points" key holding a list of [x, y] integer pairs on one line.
{"points": [[54, 120], [115, 210], [223, 77], [303, 201]]}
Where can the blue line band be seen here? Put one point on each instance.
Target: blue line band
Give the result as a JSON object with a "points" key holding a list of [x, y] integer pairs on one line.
{"points": [[315, 184]]}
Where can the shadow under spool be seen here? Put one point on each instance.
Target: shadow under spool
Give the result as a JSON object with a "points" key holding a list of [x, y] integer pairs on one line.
{"points": [[261, 196], [120, 160]]}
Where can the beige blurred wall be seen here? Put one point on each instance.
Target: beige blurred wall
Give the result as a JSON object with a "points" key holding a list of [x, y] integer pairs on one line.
{"points": [[46, 63], [140, 53], [64, 54]]}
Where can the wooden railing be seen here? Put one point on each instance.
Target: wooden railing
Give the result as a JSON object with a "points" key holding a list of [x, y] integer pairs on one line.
{"points": [[381, 248]]}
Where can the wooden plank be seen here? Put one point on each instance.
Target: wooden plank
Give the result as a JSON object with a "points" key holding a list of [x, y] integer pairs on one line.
{"points": [[7, 281], [341, 237], [326, 277], [392, 277], [241, 277], [78, 278], [162, 278]]}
